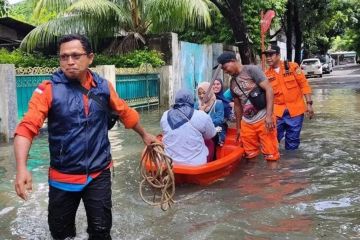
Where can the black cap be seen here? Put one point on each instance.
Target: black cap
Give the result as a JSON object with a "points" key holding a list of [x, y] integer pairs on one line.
{"points": [[225, 57], [272, 49]]}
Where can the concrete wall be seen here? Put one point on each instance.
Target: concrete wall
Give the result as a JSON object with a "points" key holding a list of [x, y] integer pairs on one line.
{"points": [[8, 102], [188, 64], [107, 72]]}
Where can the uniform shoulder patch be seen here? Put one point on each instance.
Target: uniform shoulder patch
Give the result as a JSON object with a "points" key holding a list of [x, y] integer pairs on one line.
{"points": [[41, 87]]}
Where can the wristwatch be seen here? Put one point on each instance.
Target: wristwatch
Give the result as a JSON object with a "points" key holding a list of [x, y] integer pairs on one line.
{"points": [[309, 102]]}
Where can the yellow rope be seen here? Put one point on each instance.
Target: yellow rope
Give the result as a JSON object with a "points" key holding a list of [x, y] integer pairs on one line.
{"points": [[160, 178]]}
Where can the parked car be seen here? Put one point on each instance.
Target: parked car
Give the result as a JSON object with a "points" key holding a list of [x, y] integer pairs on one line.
{"points": [[327, 63], [312, 67]]}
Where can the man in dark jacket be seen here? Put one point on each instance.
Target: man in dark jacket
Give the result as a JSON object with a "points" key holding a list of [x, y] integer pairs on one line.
{"points": [[80, 158]]}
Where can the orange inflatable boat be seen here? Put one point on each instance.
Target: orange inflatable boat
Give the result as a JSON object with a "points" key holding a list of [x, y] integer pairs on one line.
{"points": [[227, 158]]}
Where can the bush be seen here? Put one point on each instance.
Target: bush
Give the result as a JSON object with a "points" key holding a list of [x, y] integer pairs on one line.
{"points": [[131, 60], [22, 59]]}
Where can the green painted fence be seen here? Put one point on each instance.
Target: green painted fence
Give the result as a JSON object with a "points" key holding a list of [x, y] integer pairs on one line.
{"points": [[138, 90], [25, 86]]}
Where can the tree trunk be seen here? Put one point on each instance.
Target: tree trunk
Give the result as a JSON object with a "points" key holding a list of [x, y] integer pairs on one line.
{"points": [[232, 12], [289, 28], [242, 41], [298, 34]]}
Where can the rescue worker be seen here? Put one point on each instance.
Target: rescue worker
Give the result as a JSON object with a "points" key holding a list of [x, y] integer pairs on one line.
{"points": [[255, 126], [80, 158], [290, 86]]}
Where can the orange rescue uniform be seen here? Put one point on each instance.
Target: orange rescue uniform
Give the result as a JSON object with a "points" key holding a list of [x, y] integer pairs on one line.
{"points": [[289, 89], [256, 137]]}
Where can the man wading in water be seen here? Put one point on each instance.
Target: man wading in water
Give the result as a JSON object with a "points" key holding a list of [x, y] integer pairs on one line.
{"points": [[80, 158]]}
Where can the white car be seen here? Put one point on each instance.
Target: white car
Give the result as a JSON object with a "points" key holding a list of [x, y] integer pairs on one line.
{"points": [[312, 67]]}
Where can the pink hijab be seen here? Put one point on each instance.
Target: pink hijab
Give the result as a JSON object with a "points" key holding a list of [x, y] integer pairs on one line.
{"points": [[206, 106]]}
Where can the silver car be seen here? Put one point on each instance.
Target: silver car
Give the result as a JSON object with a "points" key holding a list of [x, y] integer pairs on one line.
{"points": [[312, 67]]}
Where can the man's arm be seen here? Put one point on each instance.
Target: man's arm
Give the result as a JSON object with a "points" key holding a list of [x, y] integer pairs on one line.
{"points": [[259, 77], [238, 115], [269, 122], [146, 137], [27, 129], [309, 108], [23, 181], [305, 88], [128, 116]]}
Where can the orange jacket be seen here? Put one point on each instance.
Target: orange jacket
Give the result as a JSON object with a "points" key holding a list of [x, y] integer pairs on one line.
{"points": [[289, 89], [40, 104]]}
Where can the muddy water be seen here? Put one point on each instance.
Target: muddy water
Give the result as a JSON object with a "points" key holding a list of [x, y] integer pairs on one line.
{"points": [[312, 193]]}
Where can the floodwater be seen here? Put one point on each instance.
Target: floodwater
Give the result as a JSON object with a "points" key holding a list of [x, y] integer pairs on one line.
{"points": [[312, 193]]}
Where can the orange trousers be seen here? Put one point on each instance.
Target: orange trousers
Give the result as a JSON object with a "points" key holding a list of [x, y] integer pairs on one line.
{"points": [[255, 138]]}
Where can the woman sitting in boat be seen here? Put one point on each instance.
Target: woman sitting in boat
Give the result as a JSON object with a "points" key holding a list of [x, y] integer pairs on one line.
{"points": [[218, 88], [184, 131], [214, 108]]}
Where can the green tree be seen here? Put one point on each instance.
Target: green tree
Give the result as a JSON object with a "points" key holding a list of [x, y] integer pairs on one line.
{"points": [[232, 11], [225, 30], [349, 39], [252, 11], [303, 17], [130, 18], [219, 32], [316, 23], [23, 11]]}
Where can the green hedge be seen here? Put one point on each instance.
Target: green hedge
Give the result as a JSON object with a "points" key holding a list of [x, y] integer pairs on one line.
{"points": [[131, 60]]}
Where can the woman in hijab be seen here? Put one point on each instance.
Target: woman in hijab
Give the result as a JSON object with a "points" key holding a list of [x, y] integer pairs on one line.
{"points": [[185, 131], [214, 108], [218, 88]]}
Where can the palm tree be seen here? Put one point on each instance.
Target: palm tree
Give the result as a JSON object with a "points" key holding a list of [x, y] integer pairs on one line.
{"points": [[108, 18]]}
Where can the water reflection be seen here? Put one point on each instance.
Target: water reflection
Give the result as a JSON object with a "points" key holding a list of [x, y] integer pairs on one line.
{"points": [[311, 194]]}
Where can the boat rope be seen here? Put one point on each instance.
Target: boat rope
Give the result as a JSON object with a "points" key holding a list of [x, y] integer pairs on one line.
{"points": [[157, 174]]}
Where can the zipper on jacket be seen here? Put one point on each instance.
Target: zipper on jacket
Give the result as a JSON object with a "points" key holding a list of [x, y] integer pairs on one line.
{"points": [[86, 137]]}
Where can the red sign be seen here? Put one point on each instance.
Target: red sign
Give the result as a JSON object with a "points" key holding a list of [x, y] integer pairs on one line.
{"points": [[266, 21]]}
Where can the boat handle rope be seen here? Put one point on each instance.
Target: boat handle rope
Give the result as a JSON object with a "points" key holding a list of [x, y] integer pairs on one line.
{"points": [[156, 172]]}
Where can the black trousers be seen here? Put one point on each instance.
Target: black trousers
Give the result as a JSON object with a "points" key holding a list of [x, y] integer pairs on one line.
{"points": [[97, 201]]}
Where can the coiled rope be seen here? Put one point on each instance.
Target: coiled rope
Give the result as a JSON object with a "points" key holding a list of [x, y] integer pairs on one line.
{"points": [[157, 174]]}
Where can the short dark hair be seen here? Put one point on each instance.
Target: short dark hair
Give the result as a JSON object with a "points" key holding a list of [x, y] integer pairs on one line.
{"points": [[83, 40]]}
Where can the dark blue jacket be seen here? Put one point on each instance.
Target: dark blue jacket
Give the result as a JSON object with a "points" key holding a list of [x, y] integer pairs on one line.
{"points": [[78, 143]]}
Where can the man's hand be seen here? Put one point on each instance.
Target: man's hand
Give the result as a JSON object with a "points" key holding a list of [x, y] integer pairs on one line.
{"points": [[269, 123], [23, 183], [310, 111], [149, 138]]}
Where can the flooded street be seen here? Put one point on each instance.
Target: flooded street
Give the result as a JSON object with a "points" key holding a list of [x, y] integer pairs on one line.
{"points": [[312, 193]]}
